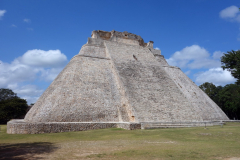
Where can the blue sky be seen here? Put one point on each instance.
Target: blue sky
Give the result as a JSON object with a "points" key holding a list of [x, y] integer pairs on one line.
{"points": [[38, 38]]}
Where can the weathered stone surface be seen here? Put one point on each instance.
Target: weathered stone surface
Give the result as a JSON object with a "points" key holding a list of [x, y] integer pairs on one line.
{"points": [[19, 126], [200, 102], [117, 80], [152, 95]]}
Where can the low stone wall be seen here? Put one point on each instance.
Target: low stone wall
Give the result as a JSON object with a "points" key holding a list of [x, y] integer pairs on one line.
{"points": [[231, 121], [150, 125], [129, 126], [19, 126]]}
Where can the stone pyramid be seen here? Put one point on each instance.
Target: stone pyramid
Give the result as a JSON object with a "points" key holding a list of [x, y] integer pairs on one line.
{"points": [[118, 80]]}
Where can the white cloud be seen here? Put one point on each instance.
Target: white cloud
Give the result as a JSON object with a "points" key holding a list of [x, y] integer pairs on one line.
{"points": [[193, 57], [30, 99], [157, 48], [33, 65], [217, 55], [204, 63], [2, 12], [26, 20], [15, 73], [230, 13], [217, 76], [51, 74], [41, 58], [208, 66], [27, 90]]}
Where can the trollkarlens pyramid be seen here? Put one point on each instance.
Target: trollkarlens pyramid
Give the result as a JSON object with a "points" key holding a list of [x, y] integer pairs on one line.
{"points": [[117, 80]]}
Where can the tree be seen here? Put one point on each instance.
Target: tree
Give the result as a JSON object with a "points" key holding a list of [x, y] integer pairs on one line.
{"points": [[11, 106], [7, 94], [210, 89], [229, 99], [217, 97], [231, 62]]}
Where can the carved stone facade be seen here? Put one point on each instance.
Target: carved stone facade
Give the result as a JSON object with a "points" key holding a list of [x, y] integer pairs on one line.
{"points": [[118, 80]]}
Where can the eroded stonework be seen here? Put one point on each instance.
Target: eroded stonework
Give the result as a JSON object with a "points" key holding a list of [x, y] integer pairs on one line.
{"points": [[120, 80]]}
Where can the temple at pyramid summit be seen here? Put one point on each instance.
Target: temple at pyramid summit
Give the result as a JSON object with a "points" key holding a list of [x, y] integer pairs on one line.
{"points": [[118, 80]]}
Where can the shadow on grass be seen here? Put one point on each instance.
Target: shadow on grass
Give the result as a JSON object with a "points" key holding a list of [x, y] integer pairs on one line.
{"points": [[22, 151]]}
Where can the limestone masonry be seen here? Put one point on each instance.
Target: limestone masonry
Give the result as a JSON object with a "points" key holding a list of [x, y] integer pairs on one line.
{"points": [[118, 80]]}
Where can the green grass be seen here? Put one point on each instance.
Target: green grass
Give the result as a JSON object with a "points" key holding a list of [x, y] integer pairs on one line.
{"points": [[178, 143]]}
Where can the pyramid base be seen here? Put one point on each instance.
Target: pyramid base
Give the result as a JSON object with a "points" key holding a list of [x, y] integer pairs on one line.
{"points": [[152, 125], [19, 126]]}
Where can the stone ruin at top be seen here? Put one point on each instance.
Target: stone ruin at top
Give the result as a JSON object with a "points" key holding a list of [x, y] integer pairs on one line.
{"points": [[118, 80]]}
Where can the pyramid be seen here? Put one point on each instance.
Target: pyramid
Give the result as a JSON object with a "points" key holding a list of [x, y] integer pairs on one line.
{"points": [[118, 80]]}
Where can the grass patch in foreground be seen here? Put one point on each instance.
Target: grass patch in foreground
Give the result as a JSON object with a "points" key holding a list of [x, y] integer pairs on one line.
{"points": [[177, 143]]}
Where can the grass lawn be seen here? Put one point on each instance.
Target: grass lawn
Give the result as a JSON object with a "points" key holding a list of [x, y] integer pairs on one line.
{"points": [[177, 143]]}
